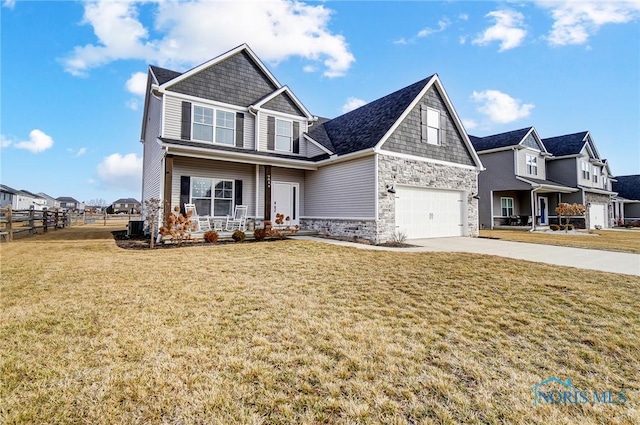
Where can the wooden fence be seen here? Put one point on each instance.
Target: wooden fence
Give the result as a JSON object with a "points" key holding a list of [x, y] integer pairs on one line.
{"points": [[32, 220]]}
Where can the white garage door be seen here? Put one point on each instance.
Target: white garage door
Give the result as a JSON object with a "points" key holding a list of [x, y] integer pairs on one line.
{"points": [[597, 215], [429, 213]]}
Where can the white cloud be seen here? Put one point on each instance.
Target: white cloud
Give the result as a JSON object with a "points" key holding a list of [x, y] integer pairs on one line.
{"points": [[9, 4], [309, 68], [81, 152], [462, 39], [118, 171], [351, 104], [276, 30], [500, 107], [508, 30], [137, 84], [442, 25], [463, 17], [401, 40], [5, 142], [38, 142], [469, 124], [575, 22], [132, 104]]}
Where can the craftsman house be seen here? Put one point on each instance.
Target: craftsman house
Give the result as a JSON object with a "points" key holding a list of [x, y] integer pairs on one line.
{"points": [[227, 133]]}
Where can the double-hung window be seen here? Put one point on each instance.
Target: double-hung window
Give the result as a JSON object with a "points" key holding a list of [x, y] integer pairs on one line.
{"points": [[212, 196], [506, 205], [585, 170], [284, 136], [532, 165], [595, 175], [213, 125], [604, 181], [430, 123]]}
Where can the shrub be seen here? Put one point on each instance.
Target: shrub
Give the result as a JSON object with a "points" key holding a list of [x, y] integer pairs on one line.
{"points": [[178, 226], [554, 227], [238, 236], [259, 234], [567, 227], [399, 236], [211, 236]]}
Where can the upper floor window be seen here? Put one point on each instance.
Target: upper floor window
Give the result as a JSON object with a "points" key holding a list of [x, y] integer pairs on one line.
{"points": [[585, 170], [430, 125], [604, 181], [595, 175], [208, 122], [284, 135], [532, 165]]}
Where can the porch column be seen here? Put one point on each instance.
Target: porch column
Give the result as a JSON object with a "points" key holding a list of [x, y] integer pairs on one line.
{"points": [[168, 178], [267, 192]]}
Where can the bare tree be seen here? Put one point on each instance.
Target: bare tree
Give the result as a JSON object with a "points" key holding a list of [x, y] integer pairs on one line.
{"points": [[152, 208], [569, 210]]}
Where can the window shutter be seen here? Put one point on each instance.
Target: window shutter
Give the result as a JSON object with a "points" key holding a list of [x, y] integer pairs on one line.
{"points": [[443, 129], [185, 189], [185, 130], [238, 192], [423, 123], [296, 137], [271, 133], [239, 129]]}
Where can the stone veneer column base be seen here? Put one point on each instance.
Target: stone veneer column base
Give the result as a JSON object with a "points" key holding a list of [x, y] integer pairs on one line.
{"points": [[361, 229]]}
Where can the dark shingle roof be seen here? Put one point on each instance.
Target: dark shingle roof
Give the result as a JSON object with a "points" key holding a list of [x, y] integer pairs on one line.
{"points": [[319, 134], [363, 128], [569, 144], [502, 140], [163, 75], [628, 186], [66, 199], [8, 189], [126, 201], [545, 182]]}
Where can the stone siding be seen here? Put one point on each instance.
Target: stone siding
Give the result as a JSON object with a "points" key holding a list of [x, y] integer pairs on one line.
{"points": [[398, 171], [360, 229]]}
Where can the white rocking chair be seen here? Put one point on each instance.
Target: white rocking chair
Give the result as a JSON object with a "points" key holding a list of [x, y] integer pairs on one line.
{"points": [[202, 222], [237, 221]]}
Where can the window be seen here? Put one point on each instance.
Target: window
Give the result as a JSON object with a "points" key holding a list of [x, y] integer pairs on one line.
{"points": [[203, 125], [532, 165], [212, 197], [604, 182], [585, 170], [595, 175], [283, 136], [506, 205], [430, 125]]}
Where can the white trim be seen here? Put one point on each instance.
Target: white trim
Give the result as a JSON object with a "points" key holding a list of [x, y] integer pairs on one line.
{"points": [[552, 158], [275, 136], [153, 74], [164, 115], [309, 138], [338, 218], [377, 185], [557, 188], [257, 187], [491, 217], [438, 139], [429, 160], [284, 115], [206, 102], [214, 125], [221, 58], [296, 200], [504, 148], [335, 159], [277, 93], [516, 168]]}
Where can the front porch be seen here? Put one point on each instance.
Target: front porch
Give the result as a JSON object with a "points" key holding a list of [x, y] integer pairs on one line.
{"points": [[524, 209]]}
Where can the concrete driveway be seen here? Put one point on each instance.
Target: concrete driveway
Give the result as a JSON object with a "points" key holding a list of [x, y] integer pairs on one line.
{"points": [[590, 259]]}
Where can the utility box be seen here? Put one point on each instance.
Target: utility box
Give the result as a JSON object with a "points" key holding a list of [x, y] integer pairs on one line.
{"points": [[135, 228]]}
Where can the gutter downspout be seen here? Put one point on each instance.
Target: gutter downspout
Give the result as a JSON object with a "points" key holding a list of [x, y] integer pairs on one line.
{"points": [[533, 209], [256, 127]]}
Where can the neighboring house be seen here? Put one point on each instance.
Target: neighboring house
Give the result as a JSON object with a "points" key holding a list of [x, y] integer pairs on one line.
{"points": [[51, 202], [69, 203], [18, 199], [38, 202], [227, 133], [128, 205], [576, 163], [514, 189], [627, 203], [8, 196]]}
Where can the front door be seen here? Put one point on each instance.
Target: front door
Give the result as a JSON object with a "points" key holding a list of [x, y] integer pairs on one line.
{"points": [[543, 203], [285, 200]]}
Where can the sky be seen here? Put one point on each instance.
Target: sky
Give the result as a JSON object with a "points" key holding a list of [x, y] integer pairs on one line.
{"points": [[73, 73]]}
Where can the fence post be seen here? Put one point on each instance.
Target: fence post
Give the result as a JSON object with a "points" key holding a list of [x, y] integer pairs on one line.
{"points": [[9, 226], [32, 212], [45, 212], [105, 217], [57, 218]]}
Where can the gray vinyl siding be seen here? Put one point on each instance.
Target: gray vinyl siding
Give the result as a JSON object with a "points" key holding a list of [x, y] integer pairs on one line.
{"points": [[152, 153], [532, 142], [343, 190], [522, 164], [312, 149], [283, 103], [195, 167], [632, 211], [173, 119], [521, 202], [563, 171], [263, 133], [278, 174]]}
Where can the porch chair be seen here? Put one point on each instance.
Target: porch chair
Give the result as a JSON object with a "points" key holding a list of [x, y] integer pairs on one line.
{"points": [[237, 221], [202, 222]]}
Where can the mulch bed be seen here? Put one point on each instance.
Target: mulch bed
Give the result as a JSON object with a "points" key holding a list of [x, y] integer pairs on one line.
{"points": [[143, 242]]}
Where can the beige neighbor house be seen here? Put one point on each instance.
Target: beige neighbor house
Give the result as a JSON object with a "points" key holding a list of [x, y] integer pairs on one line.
{"points": [[228, 133]]}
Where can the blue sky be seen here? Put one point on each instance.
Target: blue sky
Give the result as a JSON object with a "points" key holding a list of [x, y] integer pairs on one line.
{"points": [[73, 72]]}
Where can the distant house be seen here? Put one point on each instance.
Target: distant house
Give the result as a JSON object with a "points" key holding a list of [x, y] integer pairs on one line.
{"points": [[50, 200], [37, 201], [128, 205], [18, 199], [8, 196], [627, 203], [68, 203]]}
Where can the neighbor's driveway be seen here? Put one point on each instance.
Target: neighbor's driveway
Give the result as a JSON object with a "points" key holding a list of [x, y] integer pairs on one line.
{"points": [[590, 259]]}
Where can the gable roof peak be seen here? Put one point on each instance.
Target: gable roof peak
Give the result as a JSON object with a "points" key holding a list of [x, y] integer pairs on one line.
{"points": [[501, 140]]}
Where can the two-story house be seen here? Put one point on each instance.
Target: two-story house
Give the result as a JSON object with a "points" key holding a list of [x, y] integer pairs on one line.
{"points": [[50, 201], [69, 204], [514, 189], [576, 163], [128, 205], [227, 133]]}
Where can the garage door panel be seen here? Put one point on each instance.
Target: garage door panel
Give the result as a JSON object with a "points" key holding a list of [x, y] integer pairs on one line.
{"points": [[597, 215], [428, 213]]}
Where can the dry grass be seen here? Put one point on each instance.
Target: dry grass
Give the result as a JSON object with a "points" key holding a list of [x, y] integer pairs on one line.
{"points": [[302, 332], [608, 240]]}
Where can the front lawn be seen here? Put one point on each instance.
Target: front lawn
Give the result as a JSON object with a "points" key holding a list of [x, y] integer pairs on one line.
{"points": [[304, 332], [608, 240]]}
